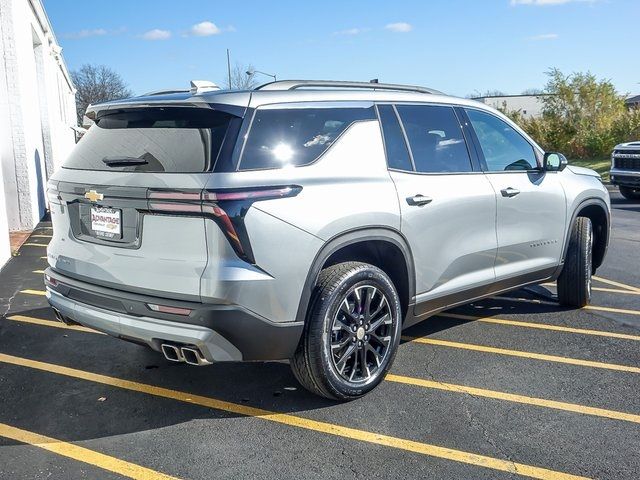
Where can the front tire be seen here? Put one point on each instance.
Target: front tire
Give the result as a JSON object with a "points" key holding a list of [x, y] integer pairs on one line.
{"points": [[574, 283], [352, 332], [630, 193]]}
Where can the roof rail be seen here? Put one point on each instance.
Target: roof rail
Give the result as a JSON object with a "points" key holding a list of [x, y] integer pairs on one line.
{"points": [[297, 84]]}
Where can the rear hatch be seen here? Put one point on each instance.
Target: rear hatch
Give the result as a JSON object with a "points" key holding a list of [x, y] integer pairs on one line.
{"points": [[111, 224]]}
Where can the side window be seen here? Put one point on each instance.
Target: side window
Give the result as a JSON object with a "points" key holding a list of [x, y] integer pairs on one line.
{"points": [[285, 137], [504, 148], [435, 138], [396, 147]]}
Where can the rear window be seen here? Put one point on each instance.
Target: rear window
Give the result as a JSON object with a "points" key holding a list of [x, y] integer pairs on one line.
{"points": [[284, 137], [176, 140]]}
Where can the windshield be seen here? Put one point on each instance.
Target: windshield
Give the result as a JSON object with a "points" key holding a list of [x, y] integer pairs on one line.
{"points": [[171, 139]]}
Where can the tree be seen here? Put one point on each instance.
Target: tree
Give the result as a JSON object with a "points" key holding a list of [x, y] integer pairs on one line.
{"points": [[239, 78], [581, 112], [582, 116], [95, 84]]}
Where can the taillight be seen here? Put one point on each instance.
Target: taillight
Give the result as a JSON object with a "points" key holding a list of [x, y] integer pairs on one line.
{"points": [[226, 207], [252, 194], [48, 280]]}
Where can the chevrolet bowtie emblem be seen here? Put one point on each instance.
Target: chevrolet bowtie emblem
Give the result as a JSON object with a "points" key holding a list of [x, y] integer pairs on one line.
{"points": [[93, 196]]}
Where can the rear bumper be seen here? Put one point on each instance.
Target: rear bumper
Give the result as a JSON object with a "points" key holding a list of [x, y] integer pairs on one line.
{"points": [[221, 332]]}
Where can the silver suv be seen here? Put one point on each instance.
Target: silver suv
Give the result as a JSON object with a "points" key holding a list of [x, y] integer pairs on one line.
{"points": [[309, 221]]}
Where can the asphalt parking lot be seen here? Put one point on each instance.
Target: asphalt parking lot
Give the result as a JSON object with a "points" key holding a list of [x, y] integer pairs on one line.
{"points": [[509, 387]]}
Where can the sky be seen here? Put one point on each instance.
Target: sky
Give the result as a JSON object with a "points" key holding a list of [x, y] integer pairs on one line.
{"points": [[460, 47]]}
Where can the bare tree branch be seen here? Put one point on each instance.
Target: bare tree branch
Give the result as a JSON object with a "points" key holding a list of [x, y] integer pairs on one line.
{"points": [[239, 78], [95, 84]]}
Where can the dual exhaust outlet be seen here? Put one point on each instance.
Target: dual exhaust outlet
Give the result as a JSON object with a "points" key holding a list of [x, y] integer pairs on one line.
{"points": [[187, 354]]}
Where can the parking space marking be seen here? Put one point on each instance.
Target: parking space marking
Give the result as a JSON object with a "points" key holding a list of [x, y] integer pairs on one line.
{"points": [[541, 326], [615, 290], [33, 292], [81, 454], [34, 245], [40, 236], [596, 308], [51, 323], [613, 310], [38, 271], [449, 387], [523, 354], [616, 284], [300, 422], [602, 289], [511, 397]]}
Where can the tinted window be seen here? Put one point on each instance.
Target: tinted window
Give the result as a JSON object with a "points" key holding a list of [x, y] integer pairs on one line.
{"points": [[281, 137], [435, 138], [503, 147], [152, 140], [396, 147]]}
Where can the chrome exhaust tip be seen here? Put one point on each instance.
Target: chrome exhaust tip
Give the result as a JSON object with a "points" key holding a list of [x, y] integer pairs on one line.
{"points": [[61, 318], [171, 353], [193, 356]]}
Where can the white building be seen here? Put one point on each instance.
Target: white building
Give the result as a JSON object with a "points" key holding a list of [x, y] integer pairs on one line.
{"points": [[528, 105], [37, 111]]}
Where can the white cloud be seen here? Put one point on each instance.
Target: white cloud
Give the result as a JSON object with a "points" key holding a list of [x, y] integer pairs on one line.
{"points": [[541, 3], [156, 34], [545, 36], [351, 31], [400, 27], [205, 29], [94, 32]]}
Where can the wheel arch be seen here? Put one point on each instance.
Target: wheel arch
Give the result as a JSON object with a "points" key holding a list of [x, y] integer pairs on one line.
{"points": [[368, 245], [596, 210]]}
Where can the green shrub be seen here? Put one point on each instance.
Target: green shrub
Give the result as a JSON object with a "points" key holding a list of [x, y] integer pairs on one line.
{"points": [[582, 117]]}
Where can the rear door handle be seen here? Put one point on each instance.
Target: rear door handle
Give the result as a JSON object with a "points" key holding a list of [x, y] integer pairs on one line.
{"points": [[509, 192], [419, 200]]}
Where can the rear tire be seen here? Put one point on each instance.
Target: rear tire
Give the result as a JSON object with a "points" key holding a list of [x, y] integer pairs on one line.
{"points": [[630, 193], [351, 334], [574, 283]]}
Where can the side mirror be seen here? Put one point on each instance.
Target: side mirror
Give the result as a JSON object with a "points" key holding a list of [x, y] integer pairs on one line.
{"points": [[554, 162]]}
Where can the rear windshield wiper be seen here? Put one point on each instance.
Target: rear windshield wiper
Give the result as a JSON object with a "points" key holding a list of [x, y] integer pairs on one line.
{"points": [[123, 161]]}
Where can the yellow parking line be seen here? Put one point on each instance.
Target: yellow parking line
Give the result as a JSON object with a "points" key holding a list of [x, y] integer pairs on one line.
{"points": [[40, 236], [588, 307], [615, 290], [51, 323], [299, 422], [510, 397], [43, 258], [522, 354], [614, 310], [541, 402], [35, 244], [616, 284], [602, 289], [33, 292], [542, 326], [38, 271], [81, 454]]}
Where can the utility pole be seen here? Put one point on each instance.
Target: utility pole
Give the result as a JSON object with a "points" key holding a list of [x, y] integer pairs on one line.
{"points": [[229, 68]]}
